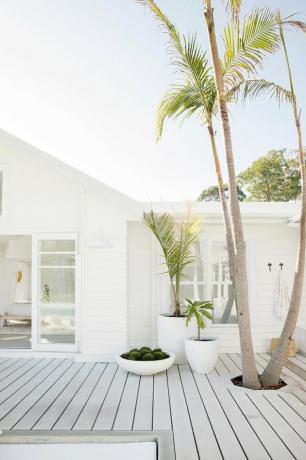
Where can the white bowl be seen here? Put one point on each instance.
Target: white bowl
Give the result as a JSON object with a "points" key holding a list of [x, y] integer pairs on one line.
{"points": [[146, 367]]}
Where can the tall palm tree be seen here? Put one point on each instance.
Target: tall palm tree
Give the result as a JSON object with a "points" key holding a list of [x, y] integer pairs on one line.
{"points": [[254, 88], [250, 376], [272, 372], [198, 93]]}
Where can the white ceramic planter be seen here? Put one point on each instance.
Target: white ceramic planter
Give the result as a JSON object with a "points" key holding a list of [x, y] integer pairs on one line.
{"points": [[202, 354], [171, 332], [146, 367]]}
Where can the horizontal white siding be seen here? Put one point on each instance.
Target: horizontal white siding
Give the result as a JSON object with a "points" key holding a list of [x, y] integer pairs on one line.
{"points": [[141, 321], [148, 291], [104, 322]]}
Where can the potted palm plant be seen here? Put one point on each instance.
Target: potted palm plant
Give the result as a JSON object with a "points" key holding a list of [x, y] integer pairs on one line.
{"points": [[202, 353], [176, 240]]}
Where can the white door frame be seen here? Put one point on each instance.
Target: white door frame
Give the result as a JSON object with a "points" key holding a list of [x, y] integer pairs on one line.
{"points": [[36, 346]]}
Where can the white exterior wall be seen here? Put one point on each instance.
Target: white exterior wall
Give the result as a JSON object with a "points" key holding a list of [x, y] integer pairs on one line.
{"points": [[104, 322], [42, 195], [269, 241], [121, 290]]}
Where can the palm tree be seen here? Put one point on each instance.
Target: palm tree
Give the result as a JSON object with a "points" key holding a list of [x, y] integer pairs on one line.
{"points": [[255, 88], [176, 242], [198, 93], [271, 374]]}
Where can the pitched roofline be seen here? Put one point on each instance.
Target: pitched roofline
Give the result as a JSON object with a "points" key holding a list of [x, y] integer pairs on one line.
{"points": [[12, 141]]}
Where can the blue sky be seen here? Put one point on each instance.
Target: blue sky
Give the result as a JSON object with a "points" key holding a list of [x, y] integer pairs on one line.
{"points": [[81, 79]]}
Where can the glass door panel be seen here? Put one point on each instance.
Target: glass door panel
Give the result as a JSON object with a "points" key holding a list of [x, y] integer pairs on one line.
{"points": [[56, 293]]}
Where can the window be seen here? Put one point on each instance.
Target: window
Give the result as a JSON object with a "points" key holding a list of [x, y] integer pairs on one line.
{"points": [[208, 279], [224, 311], [56, 263], [193, 284]]}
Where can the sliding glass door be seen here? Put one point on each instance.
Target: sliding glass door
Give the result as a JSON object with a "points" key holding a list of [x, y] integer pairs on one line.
{"points": [[55, 292]]}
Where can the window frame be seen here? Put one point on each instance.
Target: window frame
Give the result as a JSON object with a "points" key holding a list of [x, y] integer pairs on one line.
{"points": [[162, 281]]}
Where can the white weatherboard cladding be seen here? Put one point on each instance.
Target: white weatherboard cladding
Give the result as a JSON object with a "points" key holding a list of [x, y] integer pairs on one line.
{"points": [[105, 279], [267, 242], [42, 195], [122, 291]]}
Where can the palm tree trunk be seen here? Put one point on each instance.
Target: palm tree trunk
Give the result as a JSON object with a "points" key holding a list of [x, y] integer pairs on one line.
{"points": [[271, 374], [226, 215], [250, 376]]}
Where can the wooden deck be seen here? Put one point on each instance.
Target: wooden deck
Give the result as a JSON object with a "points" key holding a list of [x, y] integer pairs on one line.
{"points": [[210, 418]]}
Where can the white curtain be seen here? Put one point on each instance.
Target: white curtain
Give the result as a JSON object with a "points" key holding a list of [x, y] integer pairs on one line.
{"points": [[281, 296]]}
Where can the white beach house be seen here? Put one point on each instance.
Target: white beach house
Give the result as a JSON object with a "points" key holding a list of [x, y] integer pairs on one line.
{"points": [[80, 272]]}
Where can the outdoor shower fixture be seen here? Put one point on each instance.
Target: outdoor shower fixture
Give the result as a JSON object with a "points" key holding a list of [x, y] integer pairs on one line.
{"points": [[281, 265]]}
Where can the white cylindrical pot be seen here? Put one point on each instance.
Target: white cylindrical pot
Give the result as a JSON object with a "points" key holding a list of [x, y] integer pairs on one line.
{"points": [[171, 332], [202, 354]]}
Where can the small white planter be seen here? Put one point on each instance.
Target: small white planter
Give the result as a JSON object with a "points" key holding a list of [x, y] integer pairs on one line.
{"points": [[202, 354], [146, 367], [171, 332]]}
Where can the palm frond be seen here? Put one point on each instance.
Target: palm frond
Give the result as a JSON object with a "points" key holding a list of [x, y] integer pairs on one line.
{"points": [[246, 46], [196, 88], [299, 25], [251, 89], [174, 44], [176, 241], [179, 100]]}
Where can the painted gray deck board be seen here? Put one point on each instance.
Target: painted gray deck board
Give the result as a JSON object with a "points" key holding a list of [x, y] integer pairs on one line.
{"points": [[108, 412], [183, 434], [261, 427], [20, 375], [72, 411], [54, 412], [227, 439], [291, 439], [144, 407], [126, 410], [40, 407], [28, 402], [205, 438], [92, 407], [248, 439], [210, 418], [24, 381], [161, 403]]}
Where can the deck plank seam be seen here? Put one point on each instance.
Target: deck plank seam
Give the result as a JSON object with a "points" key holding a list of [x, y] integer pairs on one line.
{"points": [[79, 386], [56, 397], [291, 407], [270, 425], [171, 415], [31, 378], [246, 418], [22, 375], [105, 396], [46, 391], [119, 403], [136, 402], [90, 395], [10, 365], [208, 417], [283, 418], [32, 389], [226, 416], [188, 411]]}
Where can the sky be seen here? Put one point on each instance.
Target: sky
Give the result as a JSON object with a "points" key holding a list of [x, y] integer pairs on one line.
{"points": [[81, 80]]}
